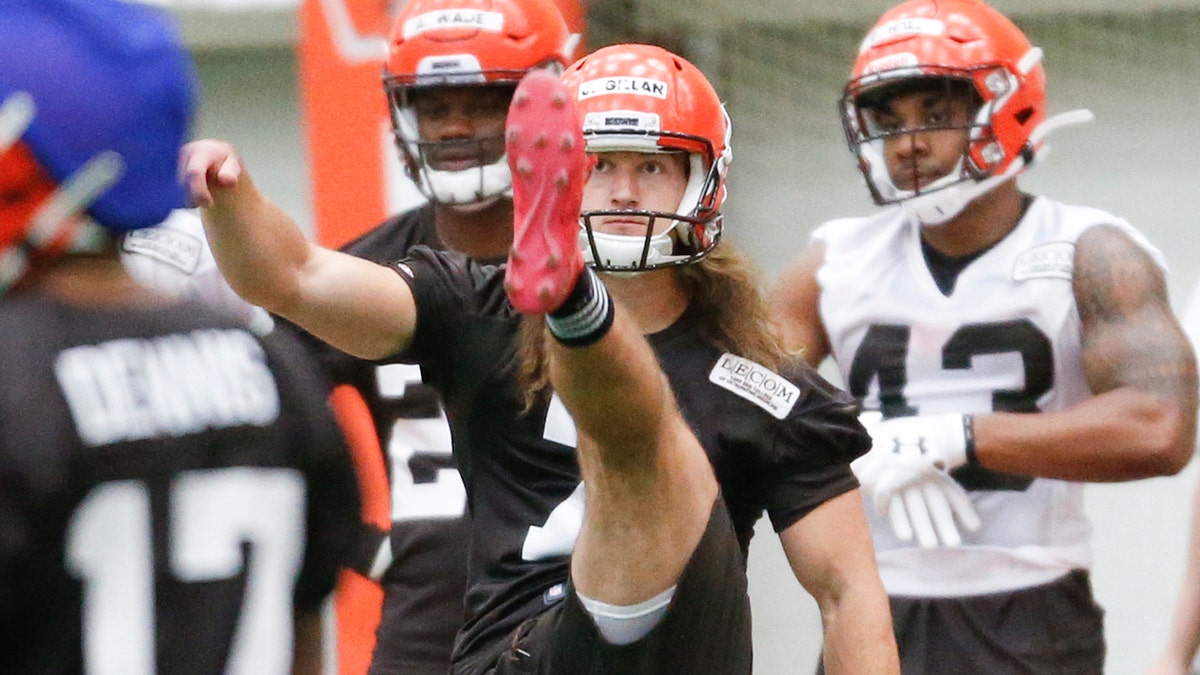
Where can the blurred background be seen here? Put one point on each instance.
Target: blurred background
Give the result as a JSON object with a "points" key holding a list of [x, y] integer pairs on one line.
{"points": [[781, 65]]}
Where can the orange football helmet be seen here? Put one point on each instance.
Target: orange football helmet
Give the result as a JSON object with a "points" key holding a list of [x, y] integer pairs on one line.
{"points": [[466, 43], [958, 40], [642, 98]]}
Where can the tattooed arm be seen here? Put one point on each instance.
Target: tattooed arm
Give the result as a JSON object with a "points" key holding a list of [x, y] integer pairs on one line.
{"points": [[1141, 421]]}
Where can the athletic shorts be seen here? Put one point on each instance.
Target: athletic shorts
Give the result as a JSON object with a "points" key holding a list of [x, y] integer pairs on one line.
{"points": [[1056, 628], [705, 630]]}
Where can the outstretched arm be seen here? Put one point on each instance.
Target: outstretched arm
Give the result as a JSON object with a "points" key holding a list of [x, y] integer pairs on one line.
{"points": [[832, 556], [357, 306], [1138, 363]]}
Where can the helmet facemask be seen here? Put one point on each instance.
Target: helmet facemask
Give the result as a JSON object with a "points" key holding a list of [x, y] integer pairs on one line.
{"points": [[485, 180], [695, 226], [982, 164]]}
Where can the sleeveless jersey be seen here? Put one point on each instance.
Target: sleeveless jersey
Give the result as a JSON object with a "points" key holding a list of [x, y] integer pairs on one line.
{"points": [[172, 487], [1007, 340], [780, 444]]}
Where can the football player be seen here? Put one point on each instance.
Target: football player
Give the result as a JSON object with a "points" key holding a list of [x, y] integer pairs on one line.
{"points": [[176, 495], [656, 560], [1014, 346], [451, 69]]}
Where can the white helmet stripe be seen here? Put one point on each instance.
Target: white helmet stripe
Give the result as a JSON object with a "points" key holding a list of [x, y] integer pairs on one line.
{"points": [[16, 114]]}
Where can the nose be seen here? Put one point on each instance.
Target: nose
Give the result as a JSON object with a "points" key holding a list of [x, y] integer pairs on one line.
{"points": [[911, 144], [458, 122], [624, 193]]}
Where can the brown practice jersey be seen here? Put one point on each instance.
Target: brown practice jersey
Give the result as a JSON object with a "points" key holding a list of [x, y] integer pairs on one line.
{"points": [[171, 488], [782, 446]]}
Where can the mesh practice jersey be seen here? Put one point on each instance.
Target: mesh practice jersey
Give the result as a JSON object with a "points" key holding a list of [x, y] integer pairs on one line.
{"points": [[1007, 340], [776, 443], [170, 487], [426, 580]]}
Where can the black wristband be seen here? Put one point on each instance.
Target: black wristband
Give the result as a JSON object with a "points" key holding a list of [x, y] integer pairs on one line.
{"points": [[968, 422], [585, 316]]}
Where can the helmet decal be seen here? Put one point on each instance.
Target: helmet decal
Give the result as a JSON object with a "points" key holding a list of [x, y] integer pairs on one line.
{"points": [[638, 86], [448, 19]]}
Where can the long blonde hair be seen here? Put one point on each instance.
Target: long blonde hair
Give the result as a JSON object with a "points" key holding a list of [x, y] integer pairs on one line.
{"points": [[724, 291]]}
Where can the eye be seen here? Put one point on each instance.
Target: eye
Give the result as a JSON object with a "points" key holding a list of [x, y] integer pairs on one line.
{"points": [[882, 124], [491, 104], [430, 109], [652, 167], [602, 164]]}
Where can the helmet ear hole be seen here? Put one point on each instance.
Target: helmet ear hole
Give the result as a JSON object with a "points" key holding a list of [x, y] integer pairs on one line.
{"points": [[1023, 115]]}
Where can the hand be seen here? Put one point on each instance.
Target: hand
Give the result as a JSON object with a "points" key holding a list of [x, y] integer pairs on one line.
{"points": [[939, 442], [208, 166], [906, 473], [927, 508]]}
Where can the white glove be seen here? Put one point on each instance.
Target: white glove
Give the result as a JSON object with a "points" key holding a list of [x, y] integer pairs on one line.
{"points": [[928, 508], [906, 473], [938, 441]]}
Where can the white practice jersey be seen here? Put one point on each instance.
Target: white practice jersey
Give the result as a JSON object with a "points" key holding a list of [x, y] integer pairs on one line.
{"points": [[1006, 339], [174, 260]]}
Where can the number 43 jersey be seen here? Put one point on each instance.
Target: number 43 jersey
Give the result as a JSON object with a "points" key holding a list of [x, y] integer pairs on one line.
{"points": [[1007, 338], [171, 487]]}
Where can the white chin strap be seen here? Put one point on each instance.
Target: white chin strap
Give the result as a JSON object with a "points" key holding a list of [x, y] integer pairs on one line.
{"points": [[625, 251], [940, 204], [466, 187], [473, 187]]}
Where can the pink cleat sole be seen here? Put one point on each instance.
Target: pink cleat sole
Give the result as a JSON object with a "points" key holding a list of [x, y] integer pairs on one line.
{"points": [[549, 167]]}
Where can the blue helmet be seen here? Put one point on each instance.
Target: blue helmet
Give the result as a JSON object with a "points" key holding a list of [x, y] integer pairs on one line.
{"points": [[106, 79]]}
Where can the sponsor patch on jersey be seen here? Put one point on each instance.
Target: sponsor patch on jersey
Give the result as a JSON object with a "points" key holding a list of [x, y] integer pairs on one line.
{"points": [[1048, 261], [175, 248], [492, 22], [759, 385], [640, 86], [903, 28]]}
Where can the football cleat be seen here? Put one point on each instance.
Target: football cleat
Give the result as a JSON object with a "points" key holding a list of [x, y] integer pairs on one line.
{"points": [[549, 166]]}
